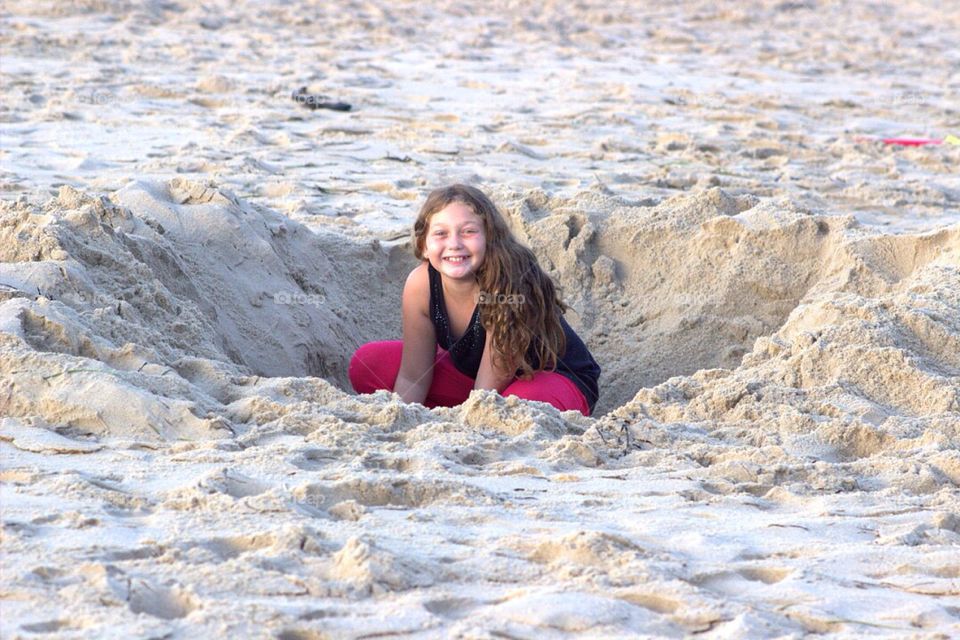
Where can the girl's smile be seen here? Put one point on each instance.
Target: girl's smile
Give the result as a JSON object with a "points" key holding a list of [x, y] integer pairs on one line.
{"points": [[456, 243]]}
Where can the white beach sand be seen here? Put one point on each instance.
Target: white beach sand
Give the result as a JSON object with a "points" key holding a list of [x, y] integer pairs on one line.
{"points": [[188, 258]]}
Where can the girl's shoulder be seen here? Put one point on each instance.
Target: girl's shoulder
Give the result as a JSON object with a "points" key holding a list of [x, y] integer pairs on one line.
{"points": [[419, 276], [416, 290]]}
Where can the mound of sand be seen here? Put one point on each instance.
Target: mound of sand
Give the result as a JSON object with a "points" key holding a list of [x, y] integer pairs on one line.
{"points": [[693, 282], [128, 323]]}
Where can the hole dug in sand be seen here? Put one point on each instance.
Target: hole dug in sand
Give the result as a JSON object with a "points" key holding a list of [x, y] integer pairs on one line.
{"points": [[148, 313]]}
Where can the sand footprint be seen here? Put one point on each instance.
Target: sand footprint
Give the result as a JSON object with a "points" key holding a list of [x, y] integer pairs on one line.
{"points": [[741, 581], [579, 612], [588, 548], [453, 608], [314, 459], [766, 575], [232, 546], [47, 626], [302, 634], [371, 569], [159, 601], [222, 490], [654, 602], [389, 492]]}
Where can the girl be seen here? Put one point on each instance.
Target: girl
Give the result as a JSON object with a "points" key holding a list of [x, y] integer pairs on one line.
{"points": [[478, 313]]}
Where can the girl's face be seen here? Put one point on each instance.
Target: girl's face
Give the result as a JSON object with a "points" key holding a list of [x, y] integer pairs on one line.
{"points": [[456, 243]]}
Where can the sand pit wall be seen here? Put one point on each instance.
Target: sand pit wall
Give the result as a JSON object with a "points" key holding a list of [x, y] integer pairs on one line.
{"points": [[169, 292], [694, 281], [147, 313]]}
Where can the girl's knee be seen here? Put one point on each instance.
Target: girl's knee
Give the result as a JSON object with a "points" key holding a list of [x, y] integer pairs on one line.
{"points": [[355, 368], [551, 388], [375, 365]]}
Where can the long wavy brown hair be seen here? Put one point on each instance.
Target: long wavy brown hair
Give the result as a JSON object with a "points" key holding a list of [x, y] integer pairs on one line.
{"points": [[520, 307]]}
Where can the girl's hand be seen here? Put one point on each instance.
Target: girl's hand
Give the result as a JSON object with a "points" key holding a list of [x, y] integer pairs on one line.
{"points": [[488, 375]]}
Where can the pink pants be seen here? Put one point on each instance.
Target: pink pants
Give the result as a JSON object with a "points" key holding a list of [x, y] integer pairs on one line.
{"points": [[375, 366]]}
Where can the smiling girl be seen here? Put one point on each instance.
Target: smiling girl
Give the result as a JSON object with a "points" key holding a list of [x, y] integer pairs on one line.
{"points": [[478, 313]]}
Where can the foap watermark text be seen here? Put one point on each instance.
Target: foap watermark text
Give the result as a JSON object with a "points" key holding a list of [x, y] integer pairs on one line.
{"points": [[299, 298]]}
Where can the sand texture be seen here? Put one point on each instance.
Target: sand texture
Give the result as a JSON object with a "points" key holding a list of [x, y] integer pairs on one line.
{"points": [[188, 261]]}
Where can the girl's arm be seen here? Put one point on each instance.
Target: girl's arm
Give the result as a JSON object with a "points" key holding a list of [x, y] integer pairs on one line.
{"points": [[419, 339], [489, 376]]}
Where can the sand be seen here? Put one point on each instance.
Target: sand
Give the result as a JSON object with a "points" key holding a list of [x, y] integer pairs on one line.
{"points": [[188, 258]]}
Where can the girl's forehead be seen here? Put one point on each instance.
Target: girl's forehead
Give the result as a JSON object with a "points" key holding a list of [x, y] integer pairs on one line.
{"points": [[455, 213]]}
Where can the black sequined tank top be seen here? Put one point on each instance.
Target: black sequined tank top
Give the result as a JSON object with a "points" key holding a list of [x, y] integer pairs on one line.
{"points": [[577, 364]]}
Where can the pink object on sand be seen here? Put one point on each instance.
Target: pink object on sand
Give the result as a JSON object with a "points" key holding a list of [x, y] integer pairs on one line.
{"points": [[911, 142]]}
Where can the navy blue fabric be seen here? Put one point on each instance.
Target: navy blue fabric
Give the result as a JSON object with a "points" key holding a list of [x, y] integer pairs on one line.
{"points": [[576, 364]]}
